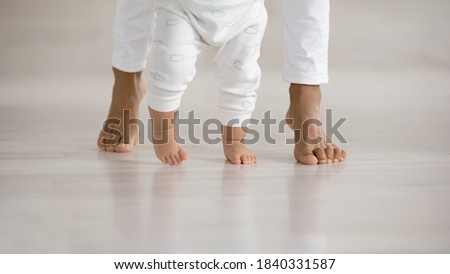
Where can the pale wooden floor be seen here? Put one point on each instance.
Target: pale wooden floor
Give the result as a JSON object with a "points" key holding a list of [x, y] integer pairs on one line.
{"points": [[59, 194]]}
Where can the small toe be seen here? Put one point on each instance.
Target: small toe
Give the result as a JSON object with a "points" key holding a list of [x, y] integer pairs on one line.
{"points": [[249, 159], [166, 160], [178, 158], [337, 154], [183, 154], [243, 159], [174, 160], [170, 160], [235, 160], [110, 148], [329, 151], [344, 155], [253, 159]]}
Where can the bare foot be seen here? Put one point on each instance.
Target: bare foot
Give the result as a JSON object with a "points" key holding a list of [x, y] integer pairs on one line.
{"points": [[312, 146], [235, 151], [166, 148], [128, 91]]}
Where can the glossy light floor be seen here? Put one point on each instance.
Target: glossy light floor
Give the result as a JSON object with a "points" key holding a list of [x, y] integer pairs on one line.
{"points": [[59, 194]]}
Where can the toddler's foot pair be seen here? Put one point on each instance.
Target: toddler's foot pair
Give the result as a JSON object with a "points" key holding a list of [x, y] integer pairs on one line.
{"points": [[169, 152]]}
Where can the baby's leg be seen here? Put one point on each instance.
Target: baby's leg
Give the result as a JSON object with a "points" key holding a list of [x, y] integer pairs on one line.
{"points": [[238, 77], [174, 52]]}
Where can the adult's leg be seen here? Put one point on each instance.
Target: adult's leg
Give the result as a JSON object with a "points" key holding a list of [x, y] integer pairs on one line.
{"points": [[132, 33], [306, 33]]}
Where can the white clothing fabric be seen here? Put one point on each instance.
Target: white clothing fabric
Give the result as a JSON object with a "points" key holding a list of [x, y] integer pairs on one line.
{"points": [[132, 34], [306, 31], [180, 33]]}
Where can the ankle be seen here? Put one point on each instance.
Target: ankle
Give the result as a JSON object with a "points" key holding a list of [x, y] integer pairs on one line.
{"points": [[163, 123], [305, 98], [128, 86], [233, 135], [124, 76]]}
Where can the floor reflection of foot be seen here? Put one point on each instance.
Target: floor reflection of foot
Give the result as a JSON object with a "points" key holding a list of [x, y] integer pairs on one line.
{"points": [[164, 209], [236, 212]]}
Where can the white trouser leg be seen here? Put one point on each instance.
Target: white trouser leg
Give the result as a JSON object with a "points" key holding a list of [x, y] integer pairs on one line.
{"points": [[306, 33], [132, 33]]}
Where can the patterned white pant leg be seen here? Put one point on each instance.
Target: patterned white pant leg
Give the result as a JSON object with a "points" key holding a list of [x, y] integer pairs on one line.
{"points": [[306, 32], [177, 42], [237, 71], [173, 55], [132, 33]]}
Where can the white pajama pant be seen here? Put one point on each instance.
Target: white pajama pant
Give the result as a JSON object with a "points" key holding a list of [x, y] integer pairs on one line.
{"points": [[179, 36], [306, 31]]}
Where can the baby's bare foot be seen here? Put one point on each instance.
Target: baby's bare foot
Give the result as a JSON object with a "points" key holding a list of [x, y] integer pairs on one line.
{"points": [[235, 151], [170, 153], [312, 146], [128, 91], [166, 148]]}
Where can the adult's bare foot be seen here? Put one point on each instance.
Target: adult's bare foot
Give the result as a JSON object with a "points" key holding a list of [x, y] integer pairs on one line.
{"points": [[128, 91], [312, 146]]}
